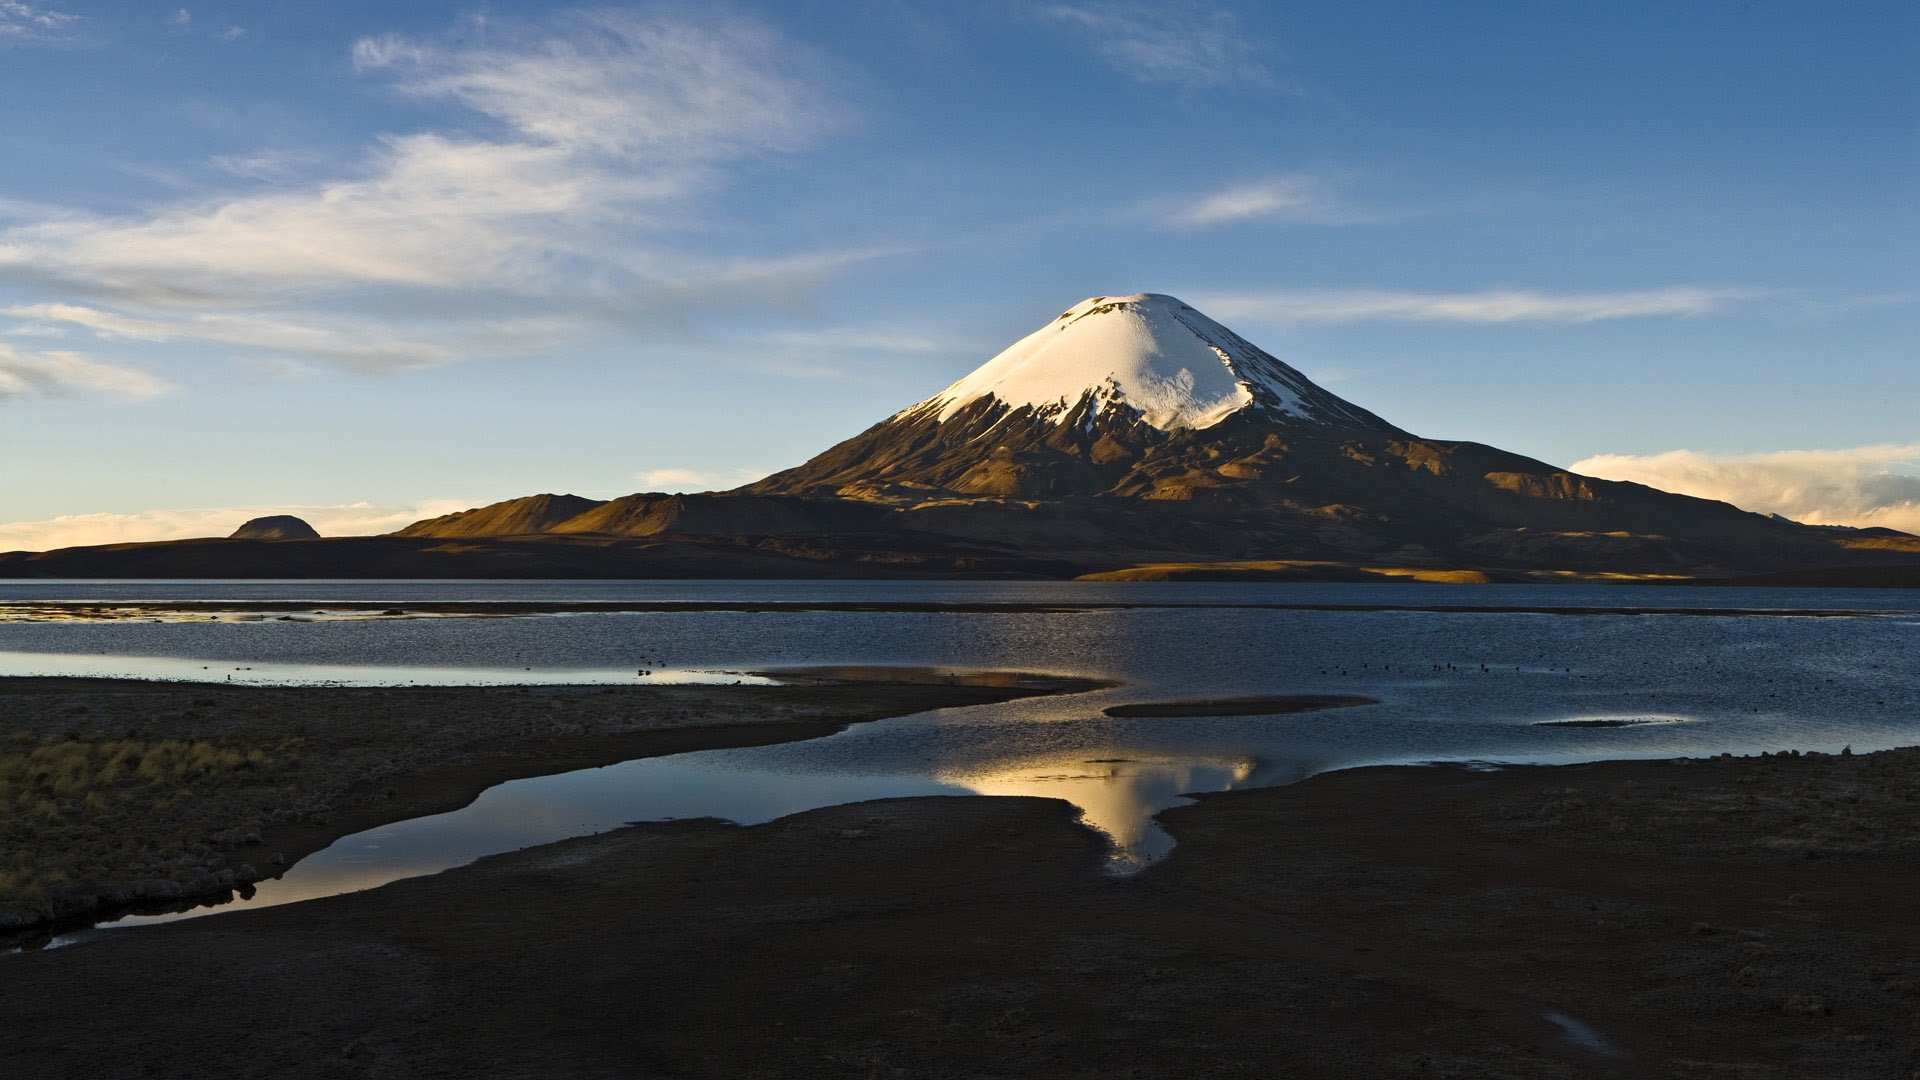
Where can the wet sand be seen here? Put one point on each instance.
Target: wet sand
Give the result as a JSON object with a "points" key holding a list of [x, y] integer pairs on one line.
{"points": [[1726, 917]]}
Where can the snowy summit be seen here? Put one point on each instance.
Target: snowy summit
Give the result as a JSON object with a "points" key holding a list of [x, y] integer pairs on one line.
{"points": [[1148, 352]]}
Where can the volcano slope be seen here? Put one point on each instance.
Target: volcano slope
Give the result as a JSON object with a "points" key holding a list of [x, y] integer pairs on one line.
{"points": [[1136, 429], [1130, 436]]}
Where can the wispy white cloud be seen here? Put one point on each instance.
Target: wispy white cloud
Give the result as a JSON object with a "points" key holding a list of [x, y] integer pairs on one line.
{"points": [[640, 88], [273, 164], [35, 330], [62, 372], [22, 21], [366, 346], [1264, 200], [81, 530], [1294, 197], [435, 213], [1180, 42], [357, 344], [1863, 486], [232, 34], [183, 17], [886, 340], [584, 141], [1491, 306]]}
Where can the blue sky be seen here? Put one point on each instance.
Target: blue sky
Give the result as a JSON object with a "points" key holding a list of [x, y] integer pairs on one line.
{"points": [[367, 261]]}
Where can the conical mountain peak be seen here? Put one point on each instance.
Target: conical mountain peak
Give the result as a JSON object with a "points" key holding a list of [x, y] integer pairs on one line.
{"points": [[1148, 353], [1133, 436], [1122, 396]]}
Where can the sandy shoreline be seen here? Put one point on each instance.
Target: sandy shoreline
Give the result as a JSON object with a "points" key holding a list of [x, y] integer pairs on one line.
{"points": [[126, 795]]}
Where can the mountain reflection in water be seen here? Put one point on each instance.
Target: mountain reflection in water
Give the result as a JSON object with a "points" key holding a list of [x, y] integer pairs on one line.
{"points": [[1117, 796]]}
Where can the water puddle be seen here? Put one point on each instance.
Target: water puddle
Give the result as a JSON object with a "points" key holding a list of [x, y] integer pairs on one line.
{"points": [[1117, 797], [546, 809], [1580, 1036], [149, 613]]}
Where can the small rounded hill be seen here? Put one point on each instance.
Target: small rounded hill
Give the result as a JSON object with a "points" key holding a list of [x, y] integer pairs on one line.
{"points": [[277, 527]]}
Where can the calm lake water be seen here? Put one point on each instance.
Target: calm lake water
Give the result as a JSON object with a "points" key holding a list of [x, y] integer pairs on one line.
{"points": [[1453, 686]]}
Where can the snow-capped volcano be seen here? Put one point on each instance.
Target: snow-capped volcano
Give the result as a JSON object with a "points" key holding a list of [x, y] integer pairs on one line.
{"points": [[1150, 353], [1135, 395], [1134, 434]]}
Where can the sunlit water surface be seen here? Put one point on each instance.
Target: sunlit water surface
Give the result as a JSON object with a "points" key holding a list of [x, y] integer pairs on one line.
{"points": [[1453, 686]]}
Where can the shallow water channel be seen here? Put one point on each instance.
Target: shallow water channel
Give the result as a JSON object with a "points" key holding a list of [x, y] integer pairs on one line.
{"points": [[1476, 685]]}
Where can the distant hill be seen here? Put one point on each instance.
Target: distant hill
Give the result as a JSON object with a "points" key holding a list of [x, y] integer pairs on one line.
{"points": [[276, 527], [515, 517]]}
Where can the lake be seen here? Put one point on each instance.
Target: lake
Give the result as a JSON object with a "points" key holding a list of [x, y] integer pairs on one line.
{"points": [[1746, 670]]}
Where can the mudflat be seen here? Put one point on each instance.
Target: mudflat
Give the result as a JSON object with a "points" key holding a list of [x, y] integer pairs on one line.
{"points": [[126, 795], [1746, 917]]}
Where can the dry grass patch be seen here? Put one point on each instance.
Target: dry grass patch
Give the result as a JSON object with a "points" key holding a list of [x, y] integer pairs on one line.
{"points": [[131, 818]]}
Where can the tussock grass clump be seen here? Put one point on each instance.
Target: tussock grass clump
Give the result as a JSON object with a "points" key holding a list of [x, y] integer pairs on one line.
{"points": [[128, 817]]}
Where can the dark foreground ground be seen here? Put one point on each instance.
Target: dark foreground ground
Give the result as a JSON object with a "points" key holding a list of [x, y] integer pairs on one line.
{"points": [[1750, 918], [121, 795]]}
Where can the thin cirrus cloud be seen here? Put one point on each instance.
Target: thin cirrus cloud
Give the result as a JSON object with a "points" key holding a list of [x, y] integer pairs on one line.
{"points": [[62, 372], [1189, 44], [268, 165], [1297, 198], [82, 530], [1862, 486], [365, 348], [1491, 306], [354, 344], [22, 21], [582, 140]]}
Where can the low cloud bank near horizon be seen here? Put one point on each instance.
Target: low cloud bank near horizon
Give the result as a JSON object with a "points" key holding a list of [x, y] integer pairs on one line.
{"points": [[678, 480], [84, 530], [1862, 486]]}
